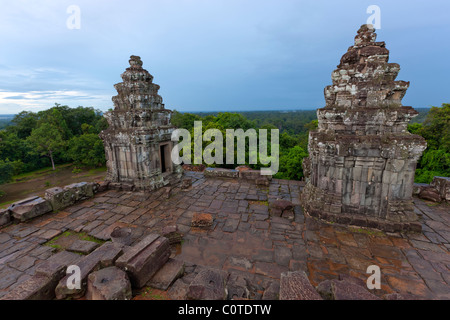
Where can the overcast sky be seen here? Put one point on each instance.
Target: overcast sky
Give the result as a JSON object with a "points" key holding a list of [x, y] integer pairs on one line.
{"points": [[211, 55]]}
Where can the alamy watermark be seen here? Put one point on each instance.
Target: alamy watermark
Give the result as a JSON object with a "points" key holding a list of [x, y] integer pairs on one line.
{"points": [[373, 281], [74, 20], [375, 17]]}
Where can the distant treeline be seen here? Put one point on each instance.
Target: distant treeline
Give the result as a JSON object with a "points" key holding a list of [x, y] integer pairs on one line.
{"points": [[34, 140]]}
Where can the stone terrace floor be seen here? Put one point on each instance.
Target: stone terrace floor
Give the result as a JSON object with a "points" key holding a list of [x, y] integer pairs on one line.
{"points": [[245, 240]]}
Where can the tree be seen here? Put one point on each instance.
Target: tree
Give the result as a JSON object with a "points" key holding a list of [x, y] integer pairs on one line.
{"points": [[46, 140], [87, 150], [6, 171], [291, 164]]}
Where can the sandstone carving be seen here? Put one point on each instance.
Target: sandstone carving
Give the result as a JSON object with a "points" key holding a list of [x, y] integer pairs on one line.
{"points": [[362, 159]]}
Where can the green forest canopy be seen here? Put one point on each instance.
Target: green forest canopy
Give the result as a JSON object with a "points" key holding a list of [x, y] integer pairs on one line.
{"points": [[31, 141]]}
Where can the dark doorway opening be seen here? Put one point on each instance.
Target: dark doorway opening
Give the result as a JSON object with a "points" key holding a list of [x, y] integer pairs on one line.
{"points": [[162, 152]]}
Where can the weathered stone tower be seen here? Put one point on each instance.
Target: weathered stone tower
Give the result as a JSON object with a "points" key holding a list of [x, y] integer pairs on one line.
{"points": [[138, 140], [362, 159]]}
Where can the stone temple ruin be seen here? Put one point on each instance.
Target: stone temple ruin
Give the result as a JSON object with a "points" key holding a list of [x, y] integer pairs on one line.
{"points": [[362, 159], [138, 141]]}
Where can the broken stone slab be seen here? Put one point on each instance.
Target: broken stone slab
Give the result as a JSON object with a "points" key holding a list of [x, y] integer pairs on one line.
{"points": [[103, 186], [144, 259], [208, 284], [61, 198], [237, 287], [122, 236], [344, 290], [221, 173], [186, 183], [102, 257], [418, 187], [109, 283], [171, 232], [83, 246], [201, 220], [442, 185], [254, 175], [296, 286], [164, 277], [272, 291], [431, 194], [29, 208], [41, 286], [179, 290], [5, 217]]}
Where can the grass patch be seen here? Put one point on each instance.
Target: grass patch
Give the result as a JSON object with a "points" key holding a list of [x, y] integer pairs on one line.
{"points": [[38, 173], [260, 202], [152, 294], [94, 172], [65, 239]]}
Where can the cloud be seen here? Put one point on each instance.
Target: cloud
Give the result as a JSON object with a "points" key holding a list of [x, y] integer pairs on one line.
{"points": [[41, 100]]}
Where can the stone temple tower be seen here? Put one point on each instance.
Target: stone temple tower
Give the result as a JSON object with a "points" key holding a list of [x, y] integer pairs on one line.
{"points": [[362, 159], [138, 140]]}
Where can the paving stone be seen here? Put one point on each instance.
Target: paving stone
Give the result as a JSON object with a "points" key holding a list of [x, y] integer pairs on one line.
{"points": [[8, 276], [144, 259], [208, 284], [22, 263], [296, 286], [108, 284], [164, 277], [282, 255], [83, 246], [231, 225]]}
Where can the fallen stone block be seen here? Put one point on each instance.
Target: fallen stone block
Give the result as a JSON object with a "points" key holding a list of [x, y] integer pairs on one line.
{"points": [[102, 257], [272, 292], [179, 290], [108, 284], [346, 289], [296, 286], [164, 277], [220, 173], [144, 259], [41, 286], [208, 284], [103, 186], [201, 220], [122, 236], [30, 208], [83, 246], [442, 185], [430, 194], [418, 187], [59, 198], [172, 233], [237, 288], [5, 217]]}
